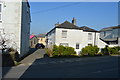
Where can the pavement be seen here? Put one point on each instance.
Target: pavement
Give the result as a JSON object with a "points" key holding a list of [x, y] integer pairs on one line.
{"points": [[17, 71]]}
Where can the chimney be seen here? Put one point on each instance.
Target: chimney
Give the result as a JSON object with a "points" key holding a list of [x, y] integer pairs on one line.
{"points": [[74, 21], [57, 24]]}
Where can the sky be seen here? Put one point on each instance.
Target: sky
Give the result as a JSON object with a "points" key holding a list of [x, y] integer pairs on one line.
{"points": [[96, 15]]}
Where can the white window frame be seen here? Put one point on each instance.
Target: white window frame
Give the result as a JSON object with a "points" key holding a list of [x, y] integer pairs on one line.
{"points": [[77, 46], [64, 33], [90, 35], [64, 44], [1, 11]]}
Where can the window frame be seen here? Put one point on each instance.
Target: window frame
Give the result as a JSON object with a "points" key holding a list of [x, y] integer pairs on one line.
{"points": [[64, 44], [64, 33], [90, 36], [1, 11], [77, 46]]}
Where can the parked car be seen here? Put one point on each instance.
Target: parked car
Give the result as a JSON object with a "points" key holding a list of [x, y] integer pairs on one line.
{"points": [[39, 45]]}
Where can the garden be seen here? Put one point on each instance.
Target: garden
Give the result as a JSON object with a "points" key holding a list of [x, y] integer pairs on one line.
{"points": [[90, 50]]}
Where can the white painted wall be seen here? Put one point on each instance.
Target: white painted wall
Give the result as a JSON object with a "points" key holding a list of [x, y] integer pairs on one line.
{"points": [[16, 25], [51, 39], [74, 37]]}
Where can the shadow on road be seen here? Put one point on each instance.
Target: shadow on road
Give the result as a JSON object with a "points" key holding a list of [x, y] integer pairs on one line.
{"points": [[93, 67]]}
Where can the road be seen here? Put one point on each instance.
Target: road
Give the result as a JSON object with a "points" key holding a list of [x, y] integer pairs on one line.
{"points": [[85, 67]]}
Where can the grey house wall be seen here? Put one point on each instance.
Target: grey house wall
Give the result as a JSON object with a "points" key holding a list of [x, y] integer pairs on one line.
{"points": [[25, 28]]}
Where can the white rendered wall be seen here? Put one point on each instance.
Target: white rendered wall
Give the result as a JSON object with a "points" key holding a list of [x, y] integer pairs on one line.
{"points": [[11, 22], [16, 24], [77, 36]]}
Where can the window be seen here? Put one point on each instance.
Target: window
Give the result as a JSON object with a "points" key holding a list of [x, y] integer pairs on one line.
{"points": [[64, 34], [89, 36], [64, 44], [89, 44], [41, 39], [77, 46], [0, 12]]}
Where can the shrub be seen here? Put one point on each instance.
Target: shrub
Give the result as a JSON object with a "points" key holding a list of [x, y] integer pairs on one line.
{"points": [[61, 51], [114, 50], [89, 50], [105, 50], [49, 52], [111, 50]]}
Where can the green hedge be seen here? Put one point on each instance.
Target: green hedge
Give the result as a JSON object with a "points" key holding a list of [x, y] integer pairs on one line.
{"points": [[89, 50], [111, 50], [63, 51], [60, 51]]}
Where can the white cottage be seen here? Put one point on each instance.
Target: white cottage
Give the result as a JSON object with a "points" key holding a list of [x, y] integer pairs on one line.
{"points": [[15, 24], [68, 34]]}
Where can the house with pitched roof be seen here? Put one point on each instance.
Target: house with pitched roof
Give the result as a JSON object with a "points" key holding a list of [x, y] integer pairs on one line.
{"points": [[33, 40], [111, 35], [42, 39], [69, 34]]}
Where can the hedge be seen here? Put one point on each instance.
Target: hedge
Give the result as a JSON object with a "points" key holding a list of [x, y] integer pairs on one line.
{"points": [[89, 50], [60, 51]]}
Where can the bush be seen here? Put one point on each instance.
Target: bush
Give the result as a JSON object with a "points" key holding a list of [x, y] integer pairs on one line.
{"points": [[61, 51], [114, 50], [105, 50], [49, 52], [89, 50], [10, 57], [111, 50]]}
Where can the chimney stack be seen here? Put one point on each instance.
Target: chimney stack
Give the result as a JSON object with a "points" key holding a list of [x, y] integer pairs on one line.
{"points": [[57, 24], [74, 21]]}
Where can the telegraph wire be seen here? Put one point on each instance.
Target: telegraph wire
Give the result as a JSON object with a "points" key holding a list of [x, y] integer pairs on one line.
{"points": [[46, 10]]}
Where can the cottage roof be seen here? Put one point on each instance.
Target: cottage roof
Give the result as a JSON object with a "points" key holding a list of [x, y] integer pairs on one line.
{"points": [[110, 28], [31, 36], [41, 35], [85, 28], [69, 25]]}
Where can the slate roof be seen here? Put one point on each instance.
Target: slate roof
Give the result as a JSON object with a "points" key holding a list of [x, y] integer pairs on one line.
{"points": [[41, 35], [68, 25], [110, 28], [85, 28]]}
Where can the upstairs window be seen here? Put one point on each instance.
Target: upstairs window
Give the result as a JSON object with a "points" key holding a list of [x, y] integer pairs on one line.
{"points": [[0, 12], [64, 34], [89, 36]]}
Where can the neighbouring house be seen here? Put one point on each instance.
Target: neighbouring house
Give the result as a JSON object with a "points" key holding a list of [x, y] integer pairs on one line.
{"points": [[68, 34], [111, 35], [15, 24], [42, 39], [33, 41]]}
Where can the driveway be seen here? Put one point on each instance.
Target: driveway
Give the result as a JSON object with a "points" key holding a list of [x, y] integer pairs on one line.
{"points": [[87, 67]]}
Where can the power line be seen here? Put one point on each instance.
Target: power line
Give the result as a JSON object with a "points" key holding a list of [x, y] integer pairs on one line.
{"points": [[42, 11]]}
